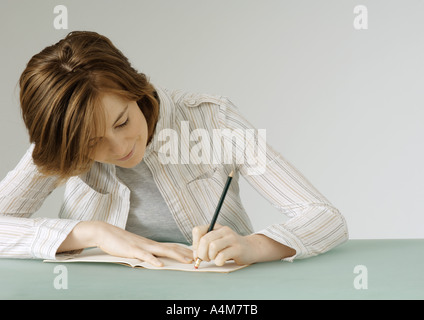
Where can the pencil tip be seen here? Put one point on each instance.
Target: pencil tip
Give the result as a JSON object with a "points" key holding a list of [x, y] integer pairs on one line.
{"points": [[231, 173], [196, 265]]}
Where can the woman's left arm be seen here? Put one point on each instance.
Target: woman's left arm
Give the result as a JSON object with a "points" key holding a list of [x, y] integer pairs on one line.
{"points": [[223, 243], [315, 225]]}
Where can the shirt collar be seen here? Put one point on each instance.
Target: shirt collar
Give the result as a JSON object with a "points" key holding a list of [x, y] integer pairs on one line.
{"points": [[165, 120]]}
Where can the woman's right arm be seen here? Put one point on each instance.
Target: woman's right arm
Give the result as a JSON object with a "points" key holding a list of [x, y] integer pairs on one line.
{"points": [[118, 242], [22, 192]]}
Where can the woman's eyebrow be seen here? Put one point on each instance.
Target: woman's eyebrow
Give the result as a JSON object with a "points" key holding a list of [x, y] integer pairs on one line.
{"points": [[120, 115]]}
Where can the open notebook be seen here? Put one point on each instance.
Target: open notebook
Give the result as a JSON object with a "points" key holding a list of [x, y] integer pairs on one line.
{"points": [[97, 255]]}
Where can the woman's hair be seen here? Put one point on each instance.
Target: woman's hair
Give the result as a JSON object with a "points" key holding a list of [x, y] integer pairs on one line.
{"points": [[60, 96]]}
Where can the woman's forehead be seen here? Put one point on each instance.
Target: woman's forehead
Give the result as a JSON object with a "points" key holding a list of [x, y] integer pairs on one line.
{"points": [[110, 109]]}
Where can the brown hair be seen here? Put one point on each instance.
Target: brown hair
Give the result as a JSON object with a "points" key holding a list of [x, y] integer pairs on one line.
{"points": [[60, 99]]}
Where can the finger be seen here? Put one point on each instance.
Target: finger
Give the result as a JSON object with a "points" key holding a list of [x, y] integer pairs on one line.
{"points": [[174, 251], [217, 246], [148, 257], [197, 233], [188, 254], [181, 254], [224, 255], [206, 240]]}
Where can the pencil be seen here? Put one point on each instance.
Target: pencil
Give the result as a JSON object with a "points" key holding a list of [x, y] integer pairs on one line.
{"points": [[217, 210]]}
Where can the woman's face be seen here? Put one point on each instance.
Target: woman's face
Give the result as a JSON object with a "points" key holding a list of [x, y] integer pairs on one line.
{"points": [[125, 139]]}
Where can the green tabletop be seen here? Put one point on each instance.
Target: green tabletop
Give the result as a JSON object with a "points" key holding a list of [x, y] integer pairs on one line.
{"points": [[358, 269]]}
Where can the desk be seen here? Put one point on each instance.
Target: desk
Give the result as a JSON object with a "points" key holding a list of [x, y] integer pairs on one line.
{"points": [[395, 270]]}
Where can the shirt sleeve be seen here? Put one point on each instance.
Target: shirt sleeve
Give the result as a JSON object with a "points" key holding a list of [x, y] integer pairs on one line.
{"points": [[22, 192], [314, 225]]}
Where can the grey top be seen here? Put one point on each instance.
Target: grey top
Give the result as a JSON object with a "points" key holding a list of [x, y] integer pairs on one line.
{"points": [[149, 214]]}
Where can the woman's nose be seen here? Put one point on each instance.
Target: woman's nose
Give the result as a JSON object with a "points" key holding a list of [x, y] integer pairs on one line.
{"points": [[118, 148]]}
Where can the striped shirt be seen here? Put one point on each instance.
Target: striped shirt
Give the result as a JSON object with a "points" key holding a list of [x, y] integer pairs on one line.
{"points": [[190, 188]]}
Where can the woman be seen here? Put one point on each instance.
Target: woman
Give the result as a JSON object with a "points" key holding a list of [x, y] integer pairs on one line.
{"points": [[98, 125]]}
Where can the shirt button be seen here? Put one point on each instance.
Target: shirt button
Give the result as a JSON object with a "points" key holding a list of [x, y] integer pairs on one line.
{"points": [[192, 102]]}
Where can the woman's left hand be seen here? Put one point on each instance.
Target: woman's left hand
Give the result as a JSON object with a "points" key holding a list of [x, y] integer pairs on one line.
{"points": [[223, 243]]}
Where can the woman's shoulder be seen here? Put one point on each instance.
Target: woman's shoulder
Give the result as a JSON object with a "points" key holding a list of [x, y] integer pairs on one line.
{"points": [[26, 182], [187, 99]]}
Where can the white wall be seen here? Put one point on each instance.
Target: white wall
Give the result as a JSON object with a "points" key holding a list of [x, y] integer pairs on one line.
{"points": [[344, 106]]}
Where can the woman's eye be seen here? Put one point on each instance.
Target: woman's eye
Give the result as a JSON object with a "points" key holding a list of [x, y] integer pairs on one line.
{"points": [[124, 124]]}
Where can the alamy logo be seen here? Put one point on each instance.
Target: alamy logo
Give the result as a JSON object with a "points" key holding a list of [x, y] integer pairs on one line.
{"points": [[360, 22], [361, 280], [61, 280], [61, 20], [221, 146]]}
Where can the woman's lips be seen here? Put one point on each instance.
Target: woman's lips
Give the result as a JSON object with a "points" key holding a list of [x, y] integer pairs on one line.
{"points": [[127, 157]]}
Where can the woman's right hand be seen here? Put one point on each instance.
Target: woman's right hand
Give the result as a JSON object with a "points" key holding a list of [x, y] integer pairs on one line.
{"points": [[118, 242]]}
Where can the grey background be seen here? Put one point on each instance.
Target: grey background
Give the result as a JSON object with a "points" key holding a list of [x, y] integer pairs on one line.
{"points": [[344, 106]]}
